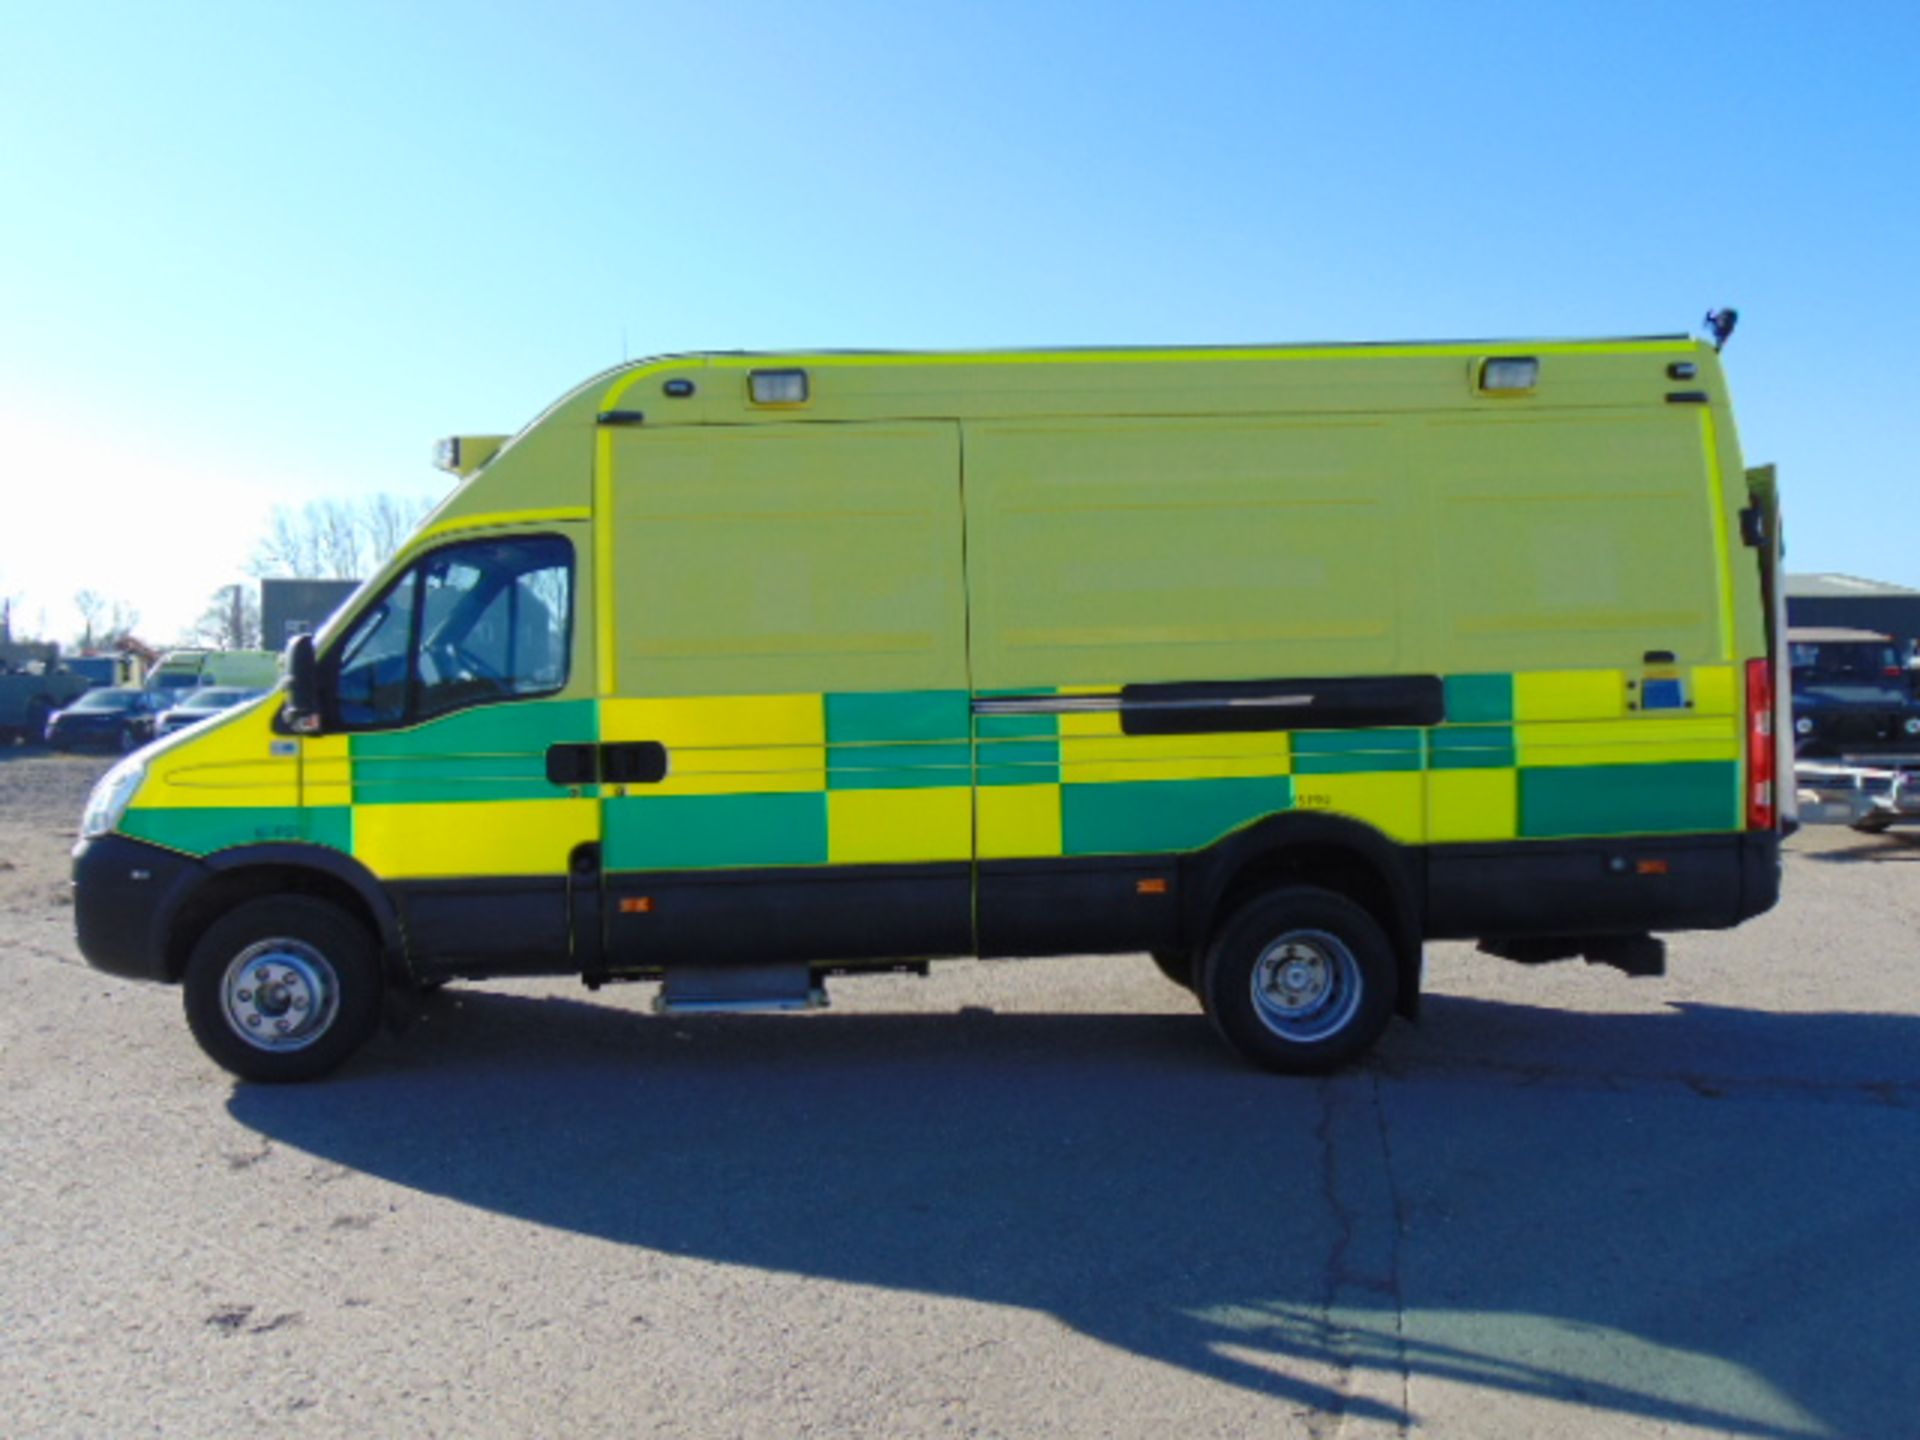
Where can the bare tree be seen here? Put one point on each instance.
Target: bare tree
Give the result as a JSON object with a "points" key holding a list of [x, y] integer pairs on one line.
{"points": [[121, 620], [336, 539], [231, 620], [107, 621], [92, 606]]}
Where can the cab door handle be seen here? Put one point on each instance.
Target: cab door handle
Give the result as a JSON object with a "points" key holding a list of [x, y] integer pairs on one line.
{"points": [[573, 764]]}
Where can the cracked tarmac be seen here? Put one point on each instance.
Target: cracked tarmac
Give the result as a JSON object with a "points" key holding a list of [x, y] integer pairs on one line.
{"points": [[1015, 1199]]}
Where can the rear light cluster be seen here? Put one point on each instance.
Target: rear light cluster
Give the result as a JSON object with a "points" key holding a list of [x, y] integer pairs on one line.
{"points": [[1763, 809]]}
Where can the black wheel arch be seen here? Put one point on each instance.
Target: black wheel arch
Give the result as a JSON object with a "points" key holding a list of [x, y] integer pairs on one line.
{"points": [[241, 874], [1334, 852]]}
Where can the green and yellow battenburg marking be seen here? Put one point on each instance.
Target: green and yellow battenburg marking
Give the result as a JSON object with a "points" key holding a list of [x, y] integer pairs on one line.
{"points": [[917, 776]]}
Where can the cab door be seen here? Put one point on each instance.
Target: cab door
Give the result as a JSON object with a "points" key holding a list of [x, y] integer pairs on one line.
{"points": [[453, 702]]}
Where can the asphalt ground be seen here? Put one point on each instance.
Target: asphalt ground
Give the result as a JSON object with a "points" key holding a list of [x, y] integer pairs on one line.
{"points": [[1017, 1199]]}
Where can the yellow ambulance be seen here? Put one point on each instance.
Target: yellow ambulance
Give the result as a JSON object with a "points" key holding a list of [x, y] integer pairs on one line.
{"points": [[733, 672]]}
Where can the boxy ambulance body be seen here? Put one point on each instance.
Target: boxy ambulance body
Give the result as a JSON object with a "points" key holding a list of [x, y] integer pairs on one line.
{"points": [[735, 671]]}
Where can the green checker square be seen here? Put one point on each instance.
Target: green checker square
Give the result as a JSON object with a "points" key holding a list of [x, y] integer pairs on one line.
{"points": [[1355, 752], [705, 832], [894, 716], [1472, 747], [898, 767], [1478, 699], [1153, 816], [1677, 798]]}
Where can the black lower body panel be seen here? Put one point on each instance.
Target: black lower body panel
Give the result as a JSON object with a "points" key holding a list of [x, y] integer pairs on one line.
{"points": [[1600, 887], [824, 914], [125, 894], [1089, 906], [515, 925]]}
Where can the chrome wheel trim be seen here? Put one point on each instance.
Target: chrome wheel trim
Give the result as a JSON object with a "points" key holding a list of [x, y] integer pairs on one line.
{"points": [[1306, 986], [280, 995]]}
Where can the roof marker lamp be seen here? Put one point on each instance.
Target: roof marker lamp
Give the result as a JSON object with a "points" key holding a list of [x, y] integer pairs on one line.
{"points": [[778, 387], [1509, 374]]}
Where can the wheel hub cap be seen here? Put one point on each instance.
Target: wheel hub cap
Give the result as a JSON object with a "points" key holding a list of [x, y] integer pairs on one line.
{"points": [[280, 994], [1306, 985]]}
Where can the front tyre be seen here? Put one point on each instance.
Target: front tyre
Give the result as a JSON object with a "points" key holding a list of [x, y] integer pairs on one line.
{"points": [[1300, 980], [283, 988]]}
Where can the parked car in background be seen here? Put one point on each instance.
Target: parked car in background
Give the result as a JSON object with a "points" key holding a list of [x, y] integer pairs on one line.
{"points": [[1851, 693], [202, 704], [112, 719]]}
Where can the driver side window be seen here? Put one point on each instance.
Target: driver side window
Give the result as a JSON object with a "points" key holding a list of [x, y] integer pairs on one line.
{"points": [[468, 625]]}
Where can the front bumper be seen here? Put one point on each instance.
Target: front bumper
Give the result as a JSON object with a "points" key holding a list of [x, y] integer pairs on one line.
{"points": [[126, 894]]}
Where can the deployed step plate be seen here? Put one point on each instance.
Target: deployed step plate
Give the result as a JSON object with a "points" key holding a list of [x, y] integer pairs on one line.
{"points": [[737, 988]]}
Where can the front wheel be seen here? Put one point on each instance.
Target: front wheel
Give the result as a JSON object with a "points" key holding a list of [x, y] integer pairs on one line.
{"points": [[1300, 980], [283, 988]]}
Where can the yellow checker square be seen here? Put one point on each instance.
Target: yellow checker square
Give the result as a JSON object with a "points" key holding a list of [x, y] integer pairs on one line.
{"points": [[1473, 805], [1393, 803], [1017, 821], [875, 826], [326, 770], [1716, 690], [473, 838], [1633, 740], [1569, 695], [717, 722]]}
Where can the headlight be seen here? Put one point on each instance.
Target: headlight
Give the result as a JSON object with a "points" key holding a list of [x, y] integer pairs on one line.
{"points": [[109, 799]]}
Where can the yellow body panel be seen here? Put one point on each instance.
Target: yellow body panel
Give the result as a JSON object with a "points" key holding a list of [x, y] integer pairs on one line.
{"points": [[872, 826], [471, 838]]}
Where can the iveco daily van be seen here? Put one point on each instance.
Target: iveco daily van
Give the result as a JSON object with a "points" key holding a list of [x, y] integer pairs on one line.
{"points": [[738, 671]]}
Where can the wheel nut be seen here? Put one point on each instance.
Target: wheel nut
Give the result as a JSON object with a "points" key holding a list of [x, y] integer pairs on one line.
{"points": [[245, 996], [263, 976], [254, 1020]]}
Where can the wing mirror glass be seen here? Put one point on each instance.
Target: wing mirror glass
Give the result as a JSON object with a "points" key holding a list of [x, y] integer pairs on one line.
{"points": [[302, 710]]}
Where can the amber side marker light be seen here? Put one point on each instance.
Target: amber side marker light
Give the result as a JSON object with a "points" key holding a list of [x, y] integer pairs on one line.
{"points": [[639, 905], [1150, 887], [1653, 867]]}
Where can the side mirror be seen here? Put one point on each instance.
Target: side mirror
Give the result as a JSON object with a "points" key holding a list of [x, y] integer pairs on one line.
{"points": [[302, 710]]}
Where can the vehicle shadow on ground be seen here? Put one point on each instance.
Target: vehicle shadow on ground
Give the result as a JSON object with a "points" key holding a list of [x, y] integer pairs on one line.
{"points": [[1122, 1174], [1894, 845]]}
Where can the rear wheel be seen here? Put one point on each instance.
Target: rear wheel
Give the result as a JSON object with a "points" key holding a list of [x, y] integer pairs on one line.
{"points": [[283, 988], [1300, 980]]}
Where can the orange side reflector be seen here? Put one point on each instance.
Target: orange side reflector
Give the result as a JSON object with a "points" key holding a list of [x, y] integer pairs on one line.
{"points": [[1151, 887], [640, 905], [1651, 867]]}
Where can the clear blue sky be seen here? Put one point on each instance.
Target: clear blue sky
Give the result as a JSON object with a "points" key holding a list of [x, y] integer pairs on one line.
{"points": [[261, 253]]}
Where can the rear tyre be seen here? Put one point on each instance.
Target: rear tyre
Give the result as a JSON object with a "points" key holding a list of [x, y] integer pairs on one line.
{"points": [[1300, 980], [1872, 825], [283, 989]]}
